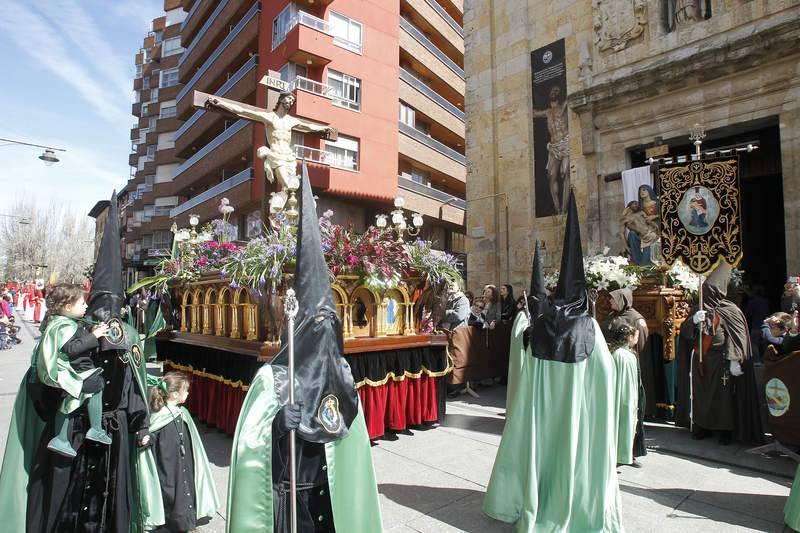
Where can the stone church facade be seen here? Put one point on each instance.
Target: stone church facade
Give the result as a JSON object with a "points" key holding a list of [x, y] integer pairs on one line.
{"points": [[639, 73]]}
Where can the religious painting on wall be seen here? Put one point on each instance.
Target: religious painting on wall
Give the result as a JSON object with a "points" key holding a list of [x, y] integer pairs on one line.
{"points": [[700, 213], [550, 130]]}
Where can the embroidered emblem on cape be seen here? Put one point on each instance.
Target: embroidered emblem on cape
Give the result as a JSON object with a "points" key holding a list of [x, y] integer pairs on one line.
{"points": [[778, 399], [116, 332], [328, 414], [136, 354]]}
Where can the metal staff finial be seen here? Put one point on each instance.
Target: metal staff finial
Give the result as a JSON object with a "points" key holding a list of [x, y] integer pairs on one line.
{"points": [[290, 309]]}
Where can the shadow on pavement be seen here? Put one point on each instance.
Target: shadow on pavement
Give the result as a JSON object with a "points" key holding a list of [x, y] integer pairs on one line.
{"points": [[218, 444], [484, 424]]}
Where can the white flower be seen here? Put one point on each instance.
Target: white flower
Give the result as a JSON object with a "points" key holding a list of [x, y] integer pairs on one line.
{"points": [[182, 235], [226, 209]]}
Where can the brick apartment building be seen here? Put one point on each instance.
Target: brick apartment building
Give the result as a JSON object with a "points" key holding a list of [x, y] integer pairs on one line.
{"points": [[348, 62]]}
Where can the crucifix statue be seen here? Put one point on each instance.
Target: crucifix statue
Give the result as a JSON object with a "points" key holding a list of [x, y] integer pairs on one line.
{"points": [[278, 154]]}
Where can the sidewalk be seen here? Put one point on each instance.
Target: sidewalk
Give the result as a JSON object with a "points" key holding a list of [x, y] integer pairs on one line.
{"points": [[433, 481]]}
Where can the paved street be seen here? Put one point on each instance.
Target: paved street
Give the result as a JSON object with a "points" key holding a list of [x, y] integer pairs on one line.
{"points": [[434, 480]]}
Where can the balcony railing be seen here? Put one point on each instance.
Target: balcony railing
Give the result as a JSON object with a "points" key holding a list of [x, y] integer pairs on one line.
{"points": [[432, 48], [430, 192], [432, 143], [252, 12], [228, 184], [433, 95], [311, 86], [436, 6], [249, 65], [306, 19], [199, 35], [312, 155], [207, 149]]}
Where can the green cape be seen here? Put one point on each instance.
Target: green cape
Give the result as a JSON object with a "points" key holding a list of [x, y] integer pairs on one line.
{"points": [[207, 499], [351, 478], [517, 355], [52, 365], [627, 400], [555, 468], [791, 511], [24, 436], [154, 322]]}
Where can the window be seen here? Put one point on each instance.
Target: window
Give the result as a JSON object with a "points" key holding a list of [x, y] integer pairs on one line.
{"points": [[175, 16], [145, 109], [407, 114], [166, 140], [149, 211], [171, 47], [169, 78], [138, 71], [285, 20], [161, 211], [167, 111], [147, 241], [346, 32], [151, 124], [147, 54], [157, 36], [290, 71], [151, 152], [421, 176], [343, 153], [162, 238], [149, 180], [165, 173], [145, 83], [153, 95], [345, 90], [253, 225]]}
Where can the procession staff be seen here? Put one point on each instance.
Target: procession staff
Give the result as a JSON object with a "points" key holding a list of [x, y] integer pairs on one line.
{"points": [[335, 477], [555, 468]]}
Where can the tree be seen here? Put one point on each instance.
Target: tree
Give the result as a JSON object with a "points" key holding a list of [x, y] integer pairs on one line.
{"points": [[55, 241]]}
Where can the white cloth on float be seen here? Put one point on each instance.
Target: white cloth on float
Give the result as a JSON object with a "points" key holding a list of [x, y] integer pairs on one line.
{"points": [[632, 179]]}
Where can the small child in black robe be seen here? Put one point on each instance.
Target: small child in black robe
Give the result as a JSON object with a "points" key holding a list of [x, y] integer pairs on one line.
{"points": [[173, 453]]}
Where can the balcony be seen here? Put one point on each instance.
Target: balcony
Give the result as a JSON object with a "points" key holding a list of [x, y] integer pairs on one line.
{"points": [[238, 87], [433, 19], [194, 18], [428, 102], [432, 202], [422, 50], [213, 145], [431, 153], [306, 42], [311, 86], [235, 44], [212, 32], [240, 178]]}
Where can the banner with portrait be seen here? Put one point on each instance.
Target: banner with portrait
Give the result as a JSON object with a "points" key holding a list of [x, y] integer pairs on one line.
{"points": [[700, 213], [551, 180]]}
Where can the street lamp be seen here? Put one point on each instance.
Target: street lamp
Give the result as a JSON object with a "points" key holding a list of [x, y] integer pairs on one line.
{"points": [[48, 156], [399, 221]]}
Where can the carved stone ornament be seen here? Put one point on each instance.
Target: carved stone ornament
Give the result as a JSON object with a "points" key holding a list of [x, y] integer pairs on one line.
{"points": [[618, 21]]}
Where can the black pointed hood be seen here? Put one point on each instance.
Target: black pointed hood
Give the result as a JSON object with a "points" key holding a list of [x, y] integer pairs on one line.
{"points": [[537, 297], [565, 330], [324, 382], [107, 296]]}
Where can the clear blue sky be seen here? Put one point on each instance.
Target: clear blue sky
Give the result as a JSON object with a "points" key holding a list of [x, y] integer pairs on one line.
{"points": [[68, 82]]}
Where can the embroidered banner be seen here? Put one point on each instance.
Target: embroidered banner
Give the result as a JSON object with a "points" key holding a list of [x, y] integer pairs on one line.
{"points": [[700, 213]]}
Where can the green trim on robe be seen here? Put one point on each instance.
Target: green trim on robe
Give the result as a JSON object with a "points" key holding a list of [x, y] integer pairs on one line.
{"points": [[627, 400], [206, 497], [351, 477], [517, 355], [52, 365], [791, 511], [556, 466], [154, 322]]}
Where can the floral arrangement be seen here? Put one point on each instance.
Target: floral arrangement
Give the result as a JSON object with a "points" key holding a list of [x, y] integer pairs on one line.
{"points": [[680, 276], [375, 256], [604, 273]]}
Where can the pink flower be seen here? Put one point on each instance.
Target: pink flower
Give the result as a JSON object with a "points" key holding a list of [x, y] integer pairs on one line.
{"points": [[202, 261], [352, 260]]}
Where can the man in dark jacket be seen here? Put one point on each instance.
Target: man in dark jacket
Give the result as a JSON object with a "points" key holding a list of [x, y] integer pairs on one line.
{"points": [[457, 312]]}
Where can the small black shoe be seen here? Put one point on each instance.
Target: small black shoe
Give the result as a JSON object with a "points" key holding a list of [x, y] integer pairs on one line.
{"points": [[636, 464]]}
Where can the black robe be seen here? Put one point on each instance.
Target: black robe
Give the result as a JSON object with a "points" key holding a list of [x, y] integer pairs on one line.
{"points": [[176, 475], [66, 495]]}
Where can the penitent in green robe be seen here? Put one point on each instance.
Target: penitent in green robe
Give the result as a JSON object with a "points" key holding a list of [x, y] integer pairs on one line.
{"points": [[351, 477], [556, 466], [627, 400], [517, 356]]}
